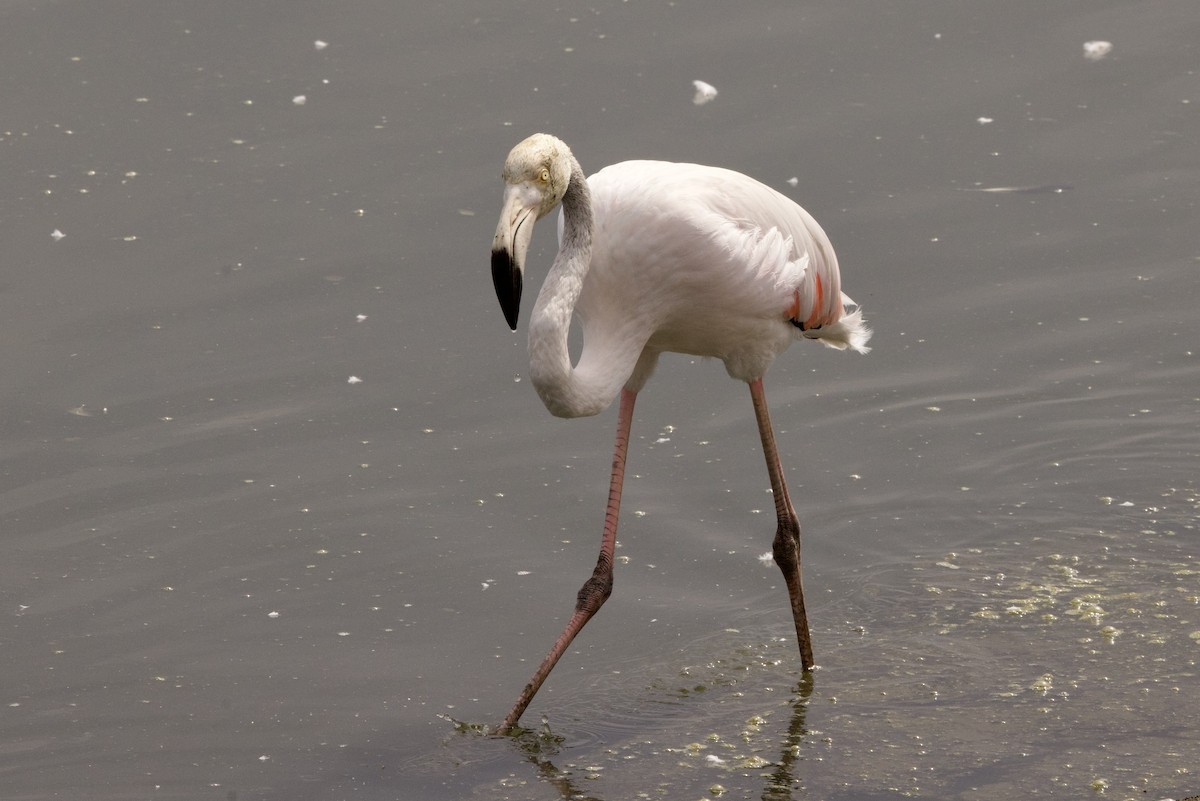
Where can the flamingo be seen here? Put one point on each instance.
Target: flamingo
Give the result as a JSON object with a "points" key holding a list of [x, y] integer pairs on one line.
{"points": [[657, 256]]}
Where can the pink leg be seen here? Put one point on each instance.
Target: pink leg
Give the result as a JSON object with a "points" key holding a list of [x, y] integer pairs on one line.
{"points": [[595, 590], [786, 547]]}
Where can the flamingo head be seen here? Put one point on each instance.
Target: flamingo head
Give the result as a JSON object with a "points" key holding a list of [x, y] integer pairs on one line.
{"points": [[536, 174]]}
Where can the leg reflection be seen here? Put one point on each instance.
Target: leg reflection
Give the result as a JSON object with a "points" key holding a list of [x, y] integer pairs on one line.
{"points": [[783, 778], [540, 746]]}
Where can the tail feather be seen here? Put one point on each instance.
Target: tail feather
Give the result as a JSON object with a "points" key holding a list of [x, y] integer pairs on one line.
{"points": [[850, 331]]}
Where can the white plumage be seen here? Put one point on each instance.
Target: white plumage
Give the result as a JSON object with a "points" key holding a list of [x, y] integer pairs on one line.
{"points": [[711, 259], [653, 257]]}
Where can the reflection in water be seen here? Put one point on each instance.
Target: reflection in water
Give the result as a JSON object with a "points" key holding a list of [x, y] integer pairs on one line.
{"points": [[541, 746], [782, 779]]}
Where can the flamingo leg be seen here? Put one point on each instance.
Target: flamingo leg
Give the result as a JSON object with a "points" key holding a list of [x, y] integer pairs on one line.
{"points": [[595, 590], [786, 547]]}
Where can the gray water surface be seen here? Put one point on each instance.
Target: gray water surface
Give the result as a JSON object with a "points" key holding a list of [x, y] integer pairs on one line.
{"points": [[232, 572]]}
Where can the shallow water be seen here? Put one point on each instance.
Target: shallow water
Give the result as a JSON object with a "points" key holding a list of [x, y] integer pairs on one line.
{"points": [[232, 572]]}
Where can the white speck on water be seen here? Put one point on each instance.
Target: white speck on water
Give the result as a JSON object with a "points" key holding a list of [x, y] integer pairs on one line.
{"points": [[1096, 50], [320, 45], [359, 318], [272, 614], [793, 181], [524, 572], [766, 558], [263, 758], [300, 100], [713, 759], [485, 584], [354, 380], [343, 634], [57, 235], [984, 120], [705, 92]]}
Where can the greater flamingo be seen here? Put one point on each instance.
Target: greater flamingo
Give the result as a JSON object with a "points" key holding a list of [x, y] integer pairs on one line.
{"points": [[655, 256]]}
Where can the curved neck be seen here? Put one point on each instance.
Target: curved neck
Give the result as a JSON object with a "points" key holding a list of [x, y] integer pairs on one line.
{"points": [[568, 391]]}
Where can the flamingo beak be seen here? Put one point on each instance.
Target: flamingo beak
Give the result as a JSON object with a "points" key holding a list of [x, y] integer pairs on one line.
{"points": [[521, 202]]}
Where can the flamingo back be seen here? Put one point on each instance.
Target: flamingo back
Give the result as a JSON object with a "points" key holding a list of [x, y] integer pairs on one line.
{"points": [[708, 261]]}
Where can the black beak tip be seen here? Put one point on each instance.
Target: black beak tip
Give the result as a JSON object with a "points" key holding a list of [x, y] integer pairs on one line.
{"points": [[507, 280]]}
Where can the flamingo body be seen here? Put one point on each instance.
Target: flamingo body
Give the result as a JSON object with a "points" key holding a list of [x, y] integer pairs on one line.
{"points": [[707, 261], [653, 257]]}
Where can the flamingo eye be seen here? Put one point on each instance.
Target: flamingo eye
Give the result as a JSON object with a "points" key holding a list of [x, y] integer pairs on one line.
{"points": [[544, 176]]}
